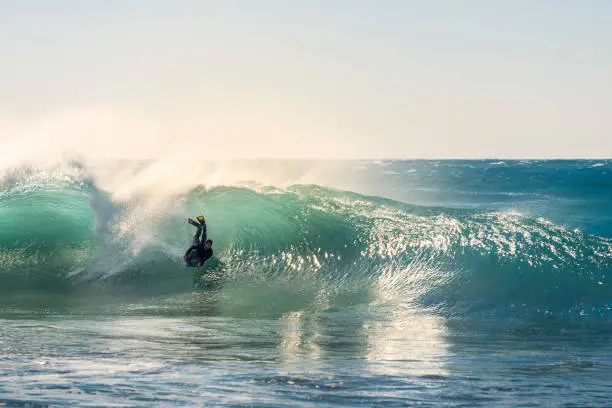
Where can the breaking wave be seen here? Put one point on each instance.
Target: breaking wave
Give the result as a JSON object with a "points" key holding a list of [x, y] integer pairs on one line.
{"points": [[60, 232]]}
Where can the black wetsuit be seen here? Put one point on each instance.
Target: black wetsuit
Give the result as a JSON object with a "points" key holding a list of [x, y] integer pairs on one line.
{"points": [[201, 254]]}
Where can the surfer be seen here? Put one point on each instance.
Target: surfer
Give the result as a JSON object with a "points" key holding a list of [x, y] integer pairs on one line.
{"points": [[201, 249]]}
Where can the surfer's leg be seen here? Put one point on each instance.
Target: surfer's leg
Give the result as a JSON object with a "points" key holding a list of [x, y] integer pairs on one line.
{"points": [[196, 237], [203, 227]]}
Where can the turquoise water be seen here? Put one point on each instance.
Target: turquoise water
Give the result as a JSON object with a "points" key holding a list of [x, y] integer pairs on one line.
{"points": [[360, 283]]}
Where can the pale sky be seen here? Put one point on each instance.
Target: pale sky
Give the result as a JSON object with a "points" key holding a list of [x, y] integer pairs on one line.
{"points": [[314, 78]]}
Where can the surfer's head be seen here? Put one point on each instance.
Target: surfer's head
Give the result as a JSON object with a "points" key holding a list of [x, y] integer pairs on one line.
{"points": [[208, 244]]}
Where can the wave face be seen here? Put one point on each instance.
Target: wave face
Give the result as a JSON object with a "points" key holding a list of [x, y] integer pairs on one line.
{"points": [[61, 233]]}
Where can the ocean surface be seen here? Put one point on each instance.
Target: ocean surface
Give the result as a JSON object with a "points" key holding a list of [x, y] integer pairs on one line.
{"points": [[480, 283]]}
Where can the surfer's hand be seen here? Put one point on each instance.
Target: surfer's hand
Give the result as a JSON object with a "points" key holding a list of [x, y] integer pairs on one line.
{"points": [[200, 264]]}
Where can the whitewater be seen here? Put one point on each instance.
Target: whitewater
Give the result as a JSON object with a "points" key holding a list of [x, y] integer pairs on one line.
{"points": [[334, 283]]}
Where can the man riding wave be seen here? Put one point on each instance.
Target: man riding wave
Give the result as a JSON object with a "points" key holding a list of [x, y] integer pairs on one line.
{"points": [[201, 250]]}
